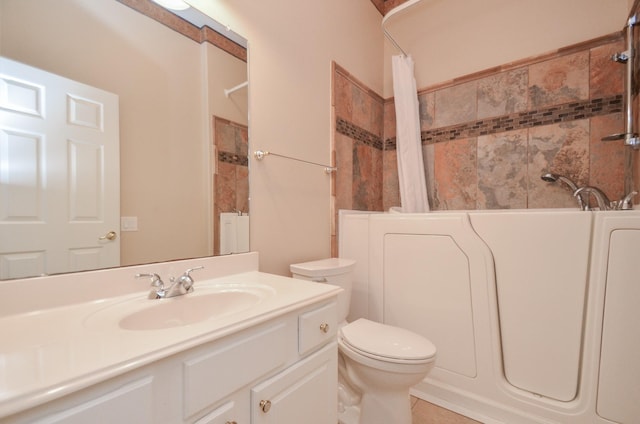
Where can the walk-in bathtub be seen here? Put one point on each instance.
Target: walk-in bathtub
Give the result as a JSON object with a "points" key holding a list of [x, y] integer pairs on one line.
{"points": [[534, 313]]}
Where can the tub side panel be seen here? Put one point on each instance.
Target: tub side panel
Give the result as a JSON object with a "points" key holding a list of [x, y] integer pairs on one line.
{"points": [[428, 273], [427, 289]]}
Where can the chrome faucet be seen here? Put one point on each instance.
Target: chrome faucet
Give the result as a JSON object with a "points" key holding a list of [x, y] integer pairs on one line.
{"points": [[181, 285], [185, 281], [603, 201], [582, 194], [157, 286], [627, 202], [604, 204]]}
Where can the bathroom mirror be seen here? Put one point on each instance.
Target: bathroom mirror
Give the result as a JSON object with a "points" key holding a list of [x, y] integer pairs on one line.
{"points": [[182, 125]]}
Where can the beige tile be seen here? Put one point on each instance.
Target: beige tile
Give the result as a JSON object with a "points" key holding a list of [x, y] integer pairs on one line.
{"points": [[426, 413], [502, 170], [562, 149], [428, 155], [606, 76], [343, 100], [560, 80], [377, 118], [390, 183], [503, 93], [389, 130], [456, 104], [363, 106], [344, 174], [456, 174], [427, 104], [607, 158], [367, 178]]}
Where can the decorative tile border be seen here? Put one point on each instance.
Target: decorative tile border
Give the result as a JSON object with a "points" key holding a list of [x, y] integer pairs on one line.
{"points": [[353, 131], [233, 158], [515, 121], [176, 23]]}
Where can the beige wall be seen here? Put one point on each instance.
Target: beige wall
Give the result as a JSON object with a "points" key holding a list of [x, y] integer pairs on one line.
{"points": [[291, 46], [164, 125], [226, 71], [451, 38]]}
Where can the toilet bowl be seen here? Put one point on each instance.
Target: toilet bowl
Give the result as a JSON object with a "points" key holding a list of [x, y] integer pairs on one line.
{"points": [[379, 363]]}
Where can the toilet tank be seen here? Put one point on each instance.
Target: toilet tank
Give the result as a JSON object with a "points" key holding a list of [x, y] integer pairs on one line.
{"points": [[336, 271]]}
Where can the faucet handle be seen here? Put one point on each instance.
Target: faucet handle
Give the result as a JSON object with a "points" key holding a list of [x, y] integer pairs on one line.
{"points": [[186, 280], [157, 285], [627, 202], [156, 281]]}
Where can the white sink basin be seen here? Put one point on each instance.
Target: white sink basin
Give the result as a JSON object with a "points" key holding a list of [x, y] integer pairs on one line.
{"points": [[203, 304]]}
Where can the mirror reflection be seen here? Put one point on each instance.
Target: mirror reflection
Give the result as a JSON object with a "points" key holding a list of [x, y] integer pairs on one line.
{"points": [[144, 156]]}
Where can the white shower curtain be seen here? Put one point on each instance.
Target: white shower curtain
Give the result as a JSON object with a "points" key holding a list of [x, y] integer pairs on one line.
{"points": [[413, 187]]}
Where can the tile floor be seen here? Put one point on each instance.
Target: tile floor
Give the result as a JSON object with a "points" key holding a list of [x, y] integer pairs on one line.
{"points": [[427, 413]]}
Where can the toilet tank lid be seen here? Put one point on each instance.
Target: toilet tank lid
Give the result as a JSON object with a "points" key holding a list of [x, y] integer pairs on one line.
{"points": [[323, 267]]}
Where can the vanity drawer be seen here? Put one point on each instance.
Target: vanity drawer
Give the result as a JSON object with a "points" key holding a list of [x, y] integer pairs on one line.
{"points": [[213, 375], [317, 327]]}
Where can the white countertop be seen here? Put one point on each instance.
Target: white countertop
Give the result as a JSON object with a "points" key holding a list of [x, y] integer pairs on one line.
{"points": [[48, 353]]}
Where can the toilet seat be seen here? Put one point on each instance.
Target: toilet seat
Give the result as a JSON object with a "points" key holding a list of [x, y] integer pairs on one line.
{"points": [[387, 343]]}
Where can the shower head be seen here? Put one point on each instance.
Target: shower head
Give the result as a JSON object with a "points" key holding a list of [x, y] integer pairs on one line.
{"points": [[552, 178]]}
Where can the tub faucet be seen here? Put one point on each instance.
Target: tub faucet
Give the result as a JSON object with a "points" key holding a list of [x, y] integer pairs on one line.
{"points": [[627, 202], [552, 178], [603, 201], [181, 285]]}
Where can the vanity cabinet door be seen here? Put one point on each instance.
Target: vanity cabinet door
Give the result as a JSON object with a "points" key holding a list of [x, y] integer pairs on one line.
{"points": [[131, 403], [316, 327], [209, 376], [231, 412], [303, 393]]}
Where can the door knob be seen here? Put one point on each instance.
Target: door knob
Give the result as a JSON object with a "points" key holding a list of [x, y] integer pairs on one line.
{"points": [[111, 235]]}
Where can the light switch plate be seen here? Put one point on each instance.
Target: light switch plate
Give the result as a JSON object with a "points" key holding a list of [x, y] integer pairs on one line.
{"points": [[128, 223]]}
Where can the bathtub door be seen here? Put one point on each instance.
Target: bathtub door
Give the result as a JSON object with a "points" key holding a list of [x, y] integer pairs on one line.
{"points": [[619, 378]]}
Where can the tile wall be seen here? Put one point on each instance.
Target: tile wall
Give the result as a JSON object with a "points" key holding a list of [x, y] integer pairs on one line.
{"points": [[488, 137], [231, 178], [358, 147]]}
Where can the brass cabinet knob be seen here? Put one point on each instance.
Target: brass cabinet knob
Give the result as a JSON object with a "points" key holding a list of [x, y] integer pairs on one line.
{"points": [[324, 327], [265, 405], [231, 422]]}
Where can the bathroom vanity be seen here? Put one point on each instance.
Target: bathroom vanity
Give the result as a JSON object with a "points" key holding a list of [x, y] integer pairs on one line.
{"points": [[244, 347]]}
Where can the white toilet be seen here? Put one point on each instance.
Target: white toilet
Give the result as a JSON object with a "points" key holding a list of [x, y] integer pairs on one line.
{"points": [[378, 363]]}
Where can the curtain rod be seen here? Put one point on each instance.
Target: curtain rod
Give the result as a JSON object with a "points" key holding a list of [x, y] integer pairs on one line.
{"points": [[236, 88], [391, 13]]}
